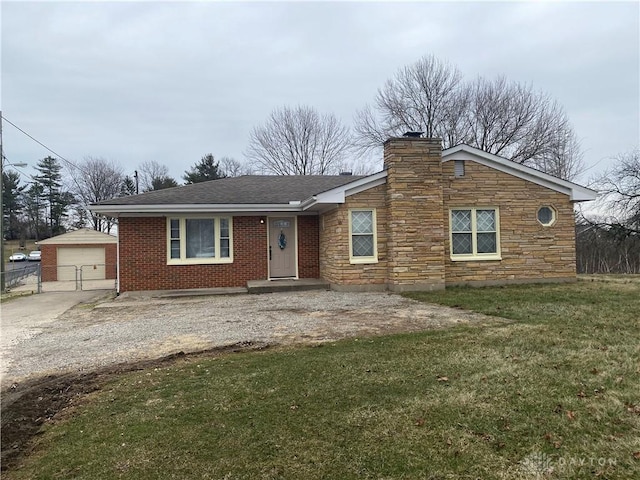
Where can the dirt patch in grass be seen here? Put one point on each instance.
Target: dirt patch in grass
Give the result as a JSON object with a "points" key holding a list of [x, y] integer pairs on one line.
{"points": [[32, 403]]}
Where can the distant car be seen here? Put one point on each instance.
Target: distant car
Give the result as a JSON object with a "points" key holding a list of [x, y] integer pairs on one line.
{"points": [[34, 256], [18, 257]]}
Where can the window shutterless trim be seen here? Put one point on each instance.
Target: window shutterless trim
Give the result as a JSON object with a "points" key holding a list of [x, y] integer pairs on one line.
{"points": [[554, 215], [183, 260], [358, 259], [474, 256]]}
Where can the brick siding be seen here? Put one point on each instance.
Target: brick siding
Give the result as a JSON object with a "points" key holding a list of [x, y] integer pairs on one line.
{"points": [[308, 247], [143, 257], [49, 260]]}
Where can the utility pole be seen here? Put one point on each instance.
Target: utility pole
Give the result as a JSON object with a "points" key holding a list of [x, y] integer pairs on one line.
{"points": [[3, 282], [135, 175], [2, 266]]}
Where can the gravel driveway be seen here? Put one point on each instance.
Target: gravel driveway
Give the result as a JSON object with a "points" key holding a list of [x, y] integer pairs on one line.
{"points": [[136, 328]]}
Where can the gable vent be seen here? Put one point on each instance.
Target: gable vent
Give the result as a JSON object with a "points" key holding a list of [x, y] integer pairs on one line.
{"points": [[459, 168]]}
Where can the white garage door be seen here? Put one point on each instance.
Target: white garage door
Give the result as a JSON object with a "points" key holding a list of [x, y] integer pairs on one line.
{"points": [[90, 259]]}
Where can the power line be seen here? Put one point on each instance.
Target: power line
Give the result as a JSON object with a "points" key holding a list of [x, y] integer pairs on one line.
{"points": [[41, 144]]}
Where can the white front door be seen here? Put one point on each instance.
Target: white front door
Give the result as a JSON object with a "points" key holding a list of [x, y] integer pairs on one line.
{"points": [[282, 247]]}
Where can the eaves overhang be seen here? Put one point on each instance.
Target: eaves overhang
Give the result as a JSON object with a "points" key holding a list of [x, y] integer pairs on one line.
{"points": [[339, 194], [576, 193], [315, 203]]}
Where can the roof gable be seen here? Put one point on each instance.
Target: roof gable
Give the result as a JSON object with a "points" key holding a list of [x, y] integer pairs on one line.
{"points": [[83, 235], [576, 193]]}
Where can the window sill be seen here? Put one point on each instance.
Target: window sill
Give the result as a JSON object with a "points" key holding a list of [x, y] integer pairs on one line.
{"points": [[362, 261], [474, 258], [200, 261]]}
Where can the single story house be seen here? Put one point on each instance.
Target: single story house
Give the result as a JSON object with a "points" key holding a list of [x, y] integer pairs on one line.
{"points": [[84, 251], [429, 219]]}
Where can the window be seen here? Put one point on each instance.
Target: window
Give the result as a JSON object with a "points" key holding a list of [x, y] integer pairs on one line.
{"points": [[199, 240], [362, 235], [546, 216], [474, 234]]}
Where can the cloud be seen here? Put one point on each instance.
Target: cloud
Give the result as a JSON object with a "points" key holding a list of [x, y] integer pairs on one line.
{"points": [[173, 81]]}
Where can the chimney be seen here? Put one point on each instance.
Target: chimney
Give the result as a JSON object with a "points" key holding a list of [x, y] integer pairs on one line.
{"points": [[345, 173], [415, 212]]}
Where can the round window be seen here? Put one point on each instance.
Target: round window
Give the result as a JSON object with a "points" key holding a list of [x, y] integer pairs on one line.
{"points": [[546, 216]]}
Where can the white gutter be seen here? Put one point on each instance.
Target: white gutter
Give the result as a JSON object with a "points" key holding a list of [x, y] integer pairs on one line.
{"points": [[117, 210]]}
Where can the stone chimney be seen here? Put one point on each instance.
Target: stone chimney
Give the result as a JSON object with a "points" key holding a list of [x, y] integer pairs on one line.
{"points": [[415, 226]]}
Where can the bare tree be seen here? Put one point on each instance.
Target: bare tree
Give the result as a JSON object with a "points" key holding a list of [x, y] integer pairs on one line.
{"points": [[501, 117], [608, 237], [96, 179], [154, 176], [422, 96], [619, 189], [234, 168], [564, 156], [299, 141]]}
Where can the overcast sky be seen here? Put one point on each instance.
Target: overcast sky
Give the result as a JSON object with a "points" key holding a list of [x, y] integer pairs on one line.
{"points": [[137, 81]]}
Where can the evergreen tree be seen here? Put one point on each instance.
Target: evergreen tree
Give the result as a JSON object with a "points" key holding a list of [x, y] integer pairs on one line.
{"points": [[34, 207], [50, 179], [12, 203], [128, 187], [206, 169], [160, 183]]}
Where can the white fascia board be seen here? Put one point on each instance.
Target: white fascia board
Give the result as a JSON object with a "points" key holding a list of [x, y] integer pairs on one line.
{"points": [[576, 193], [155, 210], [337, 195]]}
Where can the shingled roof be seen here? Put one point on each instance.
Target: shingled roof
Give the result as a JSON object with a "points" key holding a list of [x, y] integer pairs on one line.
{"points": [[247, 189]]}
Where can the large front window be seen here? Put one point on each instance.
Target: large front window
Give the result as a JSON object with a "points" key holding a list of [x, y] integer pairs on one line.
{"points": [[199, 240], [474, 234]]}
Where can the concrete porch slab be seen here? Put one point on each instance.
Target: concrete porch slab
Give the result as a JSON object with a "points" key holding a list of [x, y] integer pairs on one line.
{"points": [[196, 292], [287, 285]]}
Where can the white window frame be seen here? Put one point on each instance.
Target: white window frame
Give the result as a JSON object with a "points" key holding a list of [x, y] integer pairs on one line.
{"points": [[358, 259], [554, 215], [474, 255], [183, 260]]}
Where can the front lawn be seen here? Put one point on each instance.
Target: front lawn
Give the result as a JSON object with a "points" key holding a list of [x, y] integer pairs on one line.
{"points": [[553, 394]]}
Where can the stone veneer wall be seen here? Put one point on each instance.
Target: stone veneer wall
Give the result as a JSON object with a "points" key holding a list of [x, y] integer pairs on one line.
{"points": [[334, 244], [530, 251], [415, 227]]}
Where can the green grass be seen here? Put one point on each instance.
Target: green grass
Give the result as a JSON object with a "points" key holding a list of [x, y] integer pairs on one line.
{"points": [[553, 394]]}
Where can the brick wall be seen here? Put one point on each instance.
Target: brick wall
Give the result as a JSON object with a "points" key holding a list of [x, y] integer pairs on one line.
{"points": [[308, 247], [414, 205], [49, 262], [143, 257], [334, 242], [530, 251]]}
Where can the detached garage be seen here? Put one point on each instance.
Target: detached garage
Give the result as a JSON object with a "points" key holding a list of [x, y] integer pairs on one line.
{"points": [[92, 253]]}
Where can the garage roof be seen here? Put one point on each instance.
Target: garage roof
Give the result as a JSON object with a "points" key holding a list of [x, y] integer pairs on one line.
{"points": [[82, 236]]}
